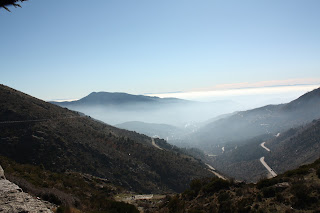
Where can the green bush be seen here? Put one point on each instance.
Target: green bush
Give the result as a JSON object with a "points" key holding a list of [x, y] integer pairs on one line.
{"points": [[244, 205], [266, 183], [120, 207], [268, 192], [216, 185], [175, 204], [302, 198], [189, 194], [279, 197], [226, 207], [299, 171], [196, 211], [52, 198], [196, 185], [223, 196], [63, 209]]}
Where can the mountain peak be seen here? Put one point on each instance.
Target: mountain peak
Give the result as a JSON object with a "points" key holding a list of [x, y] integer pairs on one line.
{"points": [[310, 99]]}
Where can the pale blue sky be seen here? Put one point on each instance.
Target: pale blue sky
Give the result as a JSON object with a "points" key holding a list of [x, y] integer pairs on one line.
{"points": [[61, 49]]}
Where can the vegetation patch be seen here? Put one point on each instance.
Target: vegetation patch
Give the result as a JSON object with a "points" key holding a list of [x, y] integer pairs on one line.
{"points": [[70, 191]]}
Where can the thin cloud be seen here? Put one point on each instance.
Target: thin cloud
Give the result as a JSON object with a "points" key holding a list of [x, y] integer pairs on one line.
{"points": [[278, 87], [273, 83]]}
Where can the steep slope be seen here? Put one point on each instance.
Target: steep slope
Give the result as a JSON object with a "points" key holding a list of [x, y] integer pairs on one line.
{"points": [[69, 191], [268, 119], [242, 161], [288, 150], [294, 191], [295, 147], [62, 140], [11, 197]]}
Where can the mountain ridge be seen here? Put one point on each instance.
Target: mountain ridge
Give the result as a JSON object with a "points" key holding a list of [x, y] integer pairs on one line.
{"points": [[244, 125], [84, 145], [118, 98]]}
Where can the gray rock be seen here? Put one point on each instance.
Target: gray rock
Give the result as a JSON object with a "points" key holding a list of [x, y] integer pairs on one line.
{"points": [[2, 173], [13, 199]]}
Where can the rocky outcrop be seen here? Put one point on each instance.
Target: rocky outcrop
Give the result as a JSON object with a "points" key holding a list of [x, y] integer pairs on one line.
{"points": [[2, 174], [13, 199]]}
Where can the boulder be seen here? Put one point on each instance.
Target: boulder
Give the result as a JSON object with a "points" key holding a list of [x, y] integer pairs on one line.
{"points": [[13, 199], [2, 174]]}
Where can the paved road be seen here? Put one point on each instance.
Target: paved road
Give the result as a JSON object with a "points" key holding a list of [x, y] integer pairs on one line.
{"points": [[143, 197], [39, 120], [268, 167], [262, 145], [213, 170], [155, 145], [210, 167]]}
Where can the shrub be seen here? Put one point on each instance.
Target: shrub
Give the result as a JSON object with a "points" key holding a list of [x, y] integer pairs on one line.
{"points": [[318, 172], [216, 185], [52, 198], [299, 171], [223, 196], [244, 205], [196, 185], [266, 183], [63, 209], [123, 208], [189, 194], [268, 192], [175, 204], [226, 207], [302, 198], [259, 197], [279, 197], [195, 211]]}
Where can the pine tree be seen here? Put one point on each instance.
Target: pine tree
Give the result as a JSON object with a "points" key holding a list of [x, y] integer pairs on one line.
{"points": [[5, 3]]}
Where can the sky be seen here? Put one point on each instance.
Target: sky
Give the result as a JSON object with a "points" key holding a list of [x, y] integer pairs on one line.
{"points": [[186, 48]]}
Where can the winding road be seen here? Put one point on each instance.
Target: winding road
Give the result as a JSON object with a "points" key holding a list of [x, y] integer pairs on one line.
{"points": [[155, 145], [213, 170], [272, 173], [263, 146], [210, 168], [39, 120]]}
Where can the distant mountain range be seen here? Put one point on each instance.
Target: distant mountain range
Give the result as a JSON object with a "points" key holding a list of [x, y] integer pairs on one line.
{"points": [[117, 108], [288, 150], [35, 132], [291, 131], [269, 119], [119, 100]]}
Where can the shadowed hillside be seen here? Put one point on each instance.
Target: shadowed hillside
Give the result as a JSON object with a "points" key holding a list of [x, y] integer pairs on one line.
{"points": [[288, 150], [252, 123], [61, 140], [294, 191]]}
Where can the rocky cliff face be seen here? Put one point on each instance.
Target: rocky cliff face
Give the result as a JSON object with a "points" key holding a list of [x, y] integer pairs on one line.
{"points": [[2, 174], [13, 199]]}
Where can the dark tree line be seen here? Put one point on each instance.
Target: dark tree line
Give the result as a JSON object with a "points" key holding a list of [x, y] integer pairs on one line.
{"points": [[5, 3]]}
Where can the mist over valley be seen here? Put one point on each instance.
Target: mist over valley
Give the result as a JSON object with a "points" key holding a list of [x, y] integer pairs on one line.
{"points": [[160, 106]]}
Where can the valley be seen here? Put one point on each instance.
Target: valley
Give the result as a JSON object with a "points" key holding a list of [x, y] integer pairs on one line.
{"points": [[143, 169], [160, 106]]}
